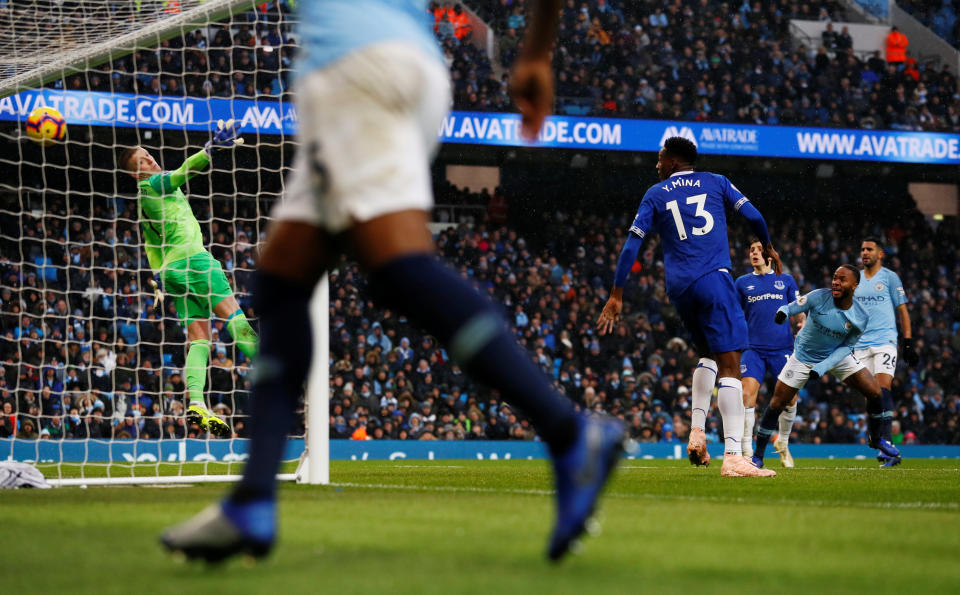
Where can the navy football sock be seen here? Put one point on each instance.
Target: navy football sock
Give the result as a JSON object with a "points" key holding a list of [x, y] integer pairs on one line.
{"points": [[445, 304], [886, 405], [874, 421], [279, 372], [768, 427]]}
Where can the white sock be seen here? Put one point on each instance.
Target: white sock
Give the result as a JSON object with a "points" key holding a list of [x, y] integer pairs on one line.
{"points": [[704, 378], [749, 418], [786, 422], [730, 402]]}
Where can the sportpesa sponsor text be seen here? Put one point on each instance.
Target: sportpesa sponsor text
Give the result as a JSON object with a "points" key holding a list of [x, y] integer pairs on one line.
{"points": [[751, 299]]}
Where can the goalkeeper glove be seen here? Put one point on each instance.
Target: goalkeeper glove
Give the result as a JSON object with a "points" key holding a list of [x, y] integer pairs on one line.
{"points": [[780, 317], [909, 353], [157, 298], [227, 135]]}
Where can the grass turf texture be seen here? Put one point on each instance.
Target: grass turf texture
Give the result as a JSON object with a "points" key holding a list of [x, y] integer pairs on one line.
{"points": [[481, 526]]}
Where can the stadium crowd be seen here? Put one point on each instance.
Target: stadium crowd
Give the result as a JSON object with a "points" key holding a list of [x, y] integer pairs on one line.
{"points": [[702, 60], [708, 60], [84, 353], [940, 16]]}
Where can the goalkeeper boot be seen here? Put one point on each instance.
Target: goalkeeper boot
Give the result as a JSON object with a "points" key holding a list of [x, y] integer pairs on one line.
{"points": [[580, 473], [782, 448], [697, 448], [203, 417], [223, 530]]}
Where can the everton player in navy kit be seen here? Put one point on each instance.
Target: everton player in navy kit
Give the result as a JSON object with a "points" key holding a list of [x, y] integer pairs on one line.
{"points": [[688, 210], [762, 292]]}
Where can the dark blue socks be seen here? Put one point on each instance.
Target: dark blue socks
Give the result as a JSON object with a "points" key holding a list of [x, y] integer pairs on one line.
{"points": [[886, 404], [768, 427], [279, 372], [446, 305], [875, 422]]}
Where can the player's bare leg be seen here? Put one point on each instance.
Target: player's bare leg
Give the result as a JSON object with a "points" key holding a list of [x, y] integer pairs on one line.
{"points": [[751, 387], [730, 403]]}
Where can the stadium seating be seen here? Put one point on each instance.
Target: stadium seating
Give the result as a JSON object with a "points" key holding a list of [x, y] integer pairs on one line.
{"points": [[939, 16]]}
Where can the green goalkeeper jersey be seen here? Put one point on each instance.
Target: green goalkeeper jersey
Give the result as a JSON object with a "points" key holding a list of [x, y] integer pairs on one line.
{"points": [[170, 229]]}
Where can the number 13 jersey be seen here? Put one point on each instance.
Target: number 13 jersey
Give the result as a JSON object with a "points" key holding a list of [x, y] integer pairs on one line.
{"points": [[688, 211]]}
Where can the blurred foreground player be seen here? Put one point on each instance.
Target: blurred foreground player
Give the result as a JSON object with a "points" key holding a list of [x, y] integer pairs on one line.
{"points": [[687, 210], [881, 294], [834, 324], [174, 246], [762, 292], [372, 92]]}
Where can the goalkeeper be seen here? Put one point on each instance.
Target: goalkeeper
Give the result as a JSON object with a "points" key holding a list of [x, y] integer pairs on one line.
{"points": [[174, 246]]}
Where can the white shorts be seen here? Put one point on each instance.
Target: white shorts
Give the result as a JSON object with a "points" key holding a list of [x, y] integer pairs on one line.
{"points": [[368, 127], [881, 359], [795, 373]]}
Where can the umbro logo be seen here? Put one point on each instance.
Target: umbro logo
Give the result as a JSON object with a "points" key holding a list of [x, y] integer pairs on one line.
{"points": [[750, 287]]}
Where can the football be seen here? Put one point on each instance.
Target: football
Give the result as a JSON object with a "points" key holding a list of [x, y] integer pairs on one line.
{"points": [[46, 125]]}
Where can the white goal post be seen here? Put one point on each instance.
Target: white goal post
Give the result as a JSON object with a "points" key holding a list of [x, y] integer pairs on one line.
{"points": [[314, 467], [67, 228]]}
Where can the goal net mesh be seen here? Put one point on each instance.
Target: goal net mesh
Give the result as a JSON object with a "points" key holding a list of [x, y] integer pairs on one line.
{"points": [[92, 382]]}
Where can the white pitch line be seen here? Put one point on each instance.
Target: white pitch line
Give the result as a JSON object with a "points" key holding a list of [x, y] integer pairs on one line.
{"points": [[878, 468], [627, 496], [428, 466]]}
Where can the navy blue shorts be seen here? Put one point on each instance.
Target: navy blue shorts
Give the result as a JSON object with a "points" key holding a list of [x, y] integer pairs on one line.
{"points": [[710, 309], [755, 363]]}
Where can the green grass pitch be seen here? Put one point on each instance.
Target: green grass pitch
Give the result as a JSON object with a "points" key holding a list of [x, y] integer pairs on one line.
{"points": [[481, 527]]}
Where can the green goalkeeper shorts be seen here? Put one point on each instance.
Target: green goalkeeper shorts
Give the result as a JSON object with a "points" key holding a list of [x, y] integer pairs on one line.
{"points": [[196, 284]]}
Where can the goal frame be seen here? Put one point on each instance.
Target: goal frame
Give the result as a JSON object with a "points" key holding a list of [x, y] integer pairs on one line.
{"points": [[314, 464]]}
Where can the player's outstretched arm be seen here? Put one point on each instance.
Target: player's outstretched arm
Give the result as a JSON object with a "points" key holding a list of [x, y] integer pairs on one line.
{"points": [[773, 257], [226, 136], [759, 227], [842, 351], [799, 306], [168, 182], [611, 311], [531, 82]]}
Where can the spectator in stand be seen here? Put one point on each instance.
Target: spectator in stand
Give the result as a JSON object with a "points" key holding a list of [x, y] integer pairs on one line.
{"points": [[461, 23], [844, 40], [829, 38], [897, 44]]}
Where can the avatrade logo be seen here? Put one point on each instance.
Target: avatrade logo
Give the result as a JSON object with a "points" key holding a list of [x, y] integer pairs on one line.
{"points": [[683, 131]]}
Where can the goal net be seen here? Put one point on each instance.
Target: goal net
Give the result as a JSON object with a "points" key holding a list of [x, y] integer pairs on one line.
{"points": [[92, 381]]}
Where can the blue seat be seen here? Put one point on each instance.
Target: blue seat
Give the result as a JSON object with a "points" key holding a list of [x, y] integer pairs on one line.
{"points": [[129, 333]]}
